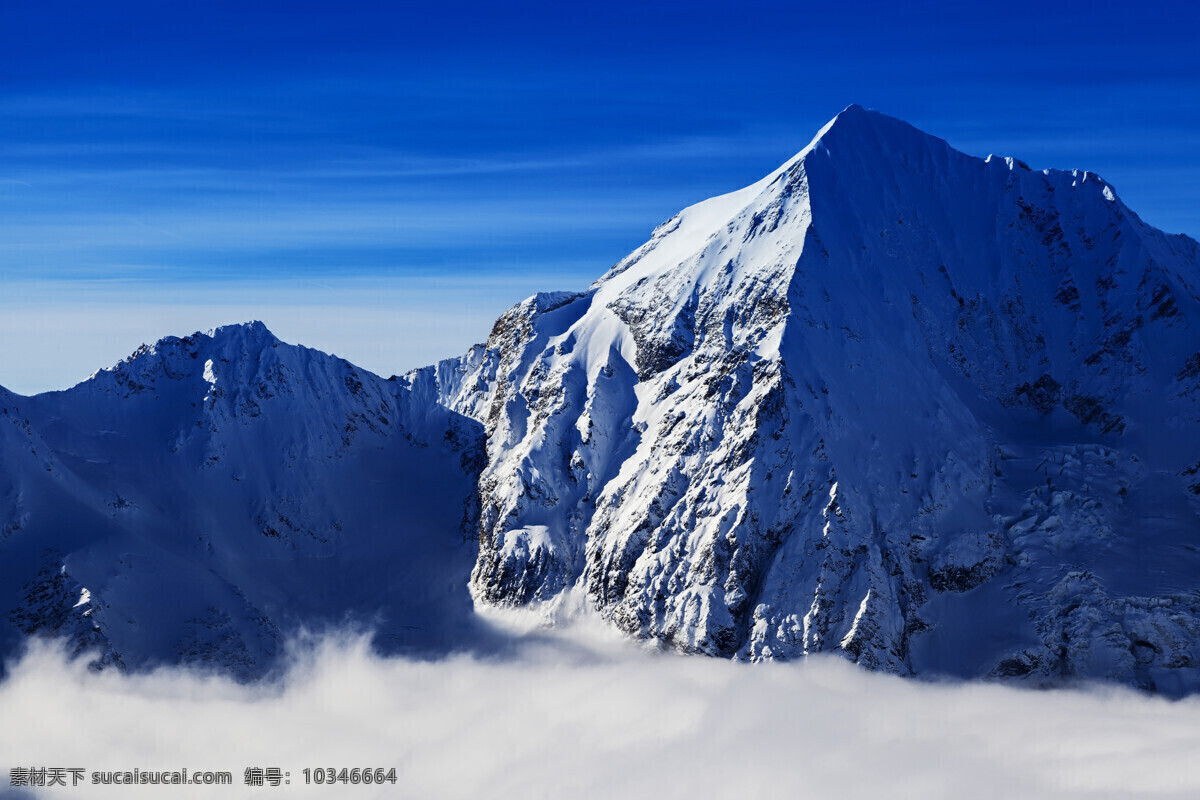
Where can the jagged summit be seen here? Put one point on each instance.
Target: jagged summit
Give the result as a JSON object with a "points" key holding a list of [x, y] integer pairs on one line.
{"points": [[244, 337], [251, 331], [170, 356]]}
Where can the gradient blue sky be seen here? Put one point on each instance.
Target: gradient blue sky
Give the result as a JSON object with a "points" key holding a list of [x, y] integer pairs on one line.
{"points": [[382, 179]]}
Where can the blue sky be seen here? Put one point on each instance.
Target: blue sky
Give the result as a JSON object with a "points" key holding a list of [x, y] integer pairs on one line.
{"points": [[382, 179]]}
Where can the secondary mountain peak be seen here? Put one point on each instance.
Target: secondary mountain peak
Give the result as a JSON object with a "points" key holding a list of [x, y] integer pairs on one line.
{"points": [[253, 330], [213, 490], [176, 357]]}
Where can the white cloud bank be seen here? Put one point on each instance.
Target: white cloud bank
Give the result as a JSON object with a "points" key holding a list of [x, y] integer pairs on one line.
{"points": [[576, 714]]}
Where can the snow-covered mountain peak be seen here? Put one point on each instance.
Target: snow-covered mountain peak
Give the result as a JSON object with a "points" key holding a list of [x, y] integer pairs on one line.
{"points": [[211, 491], [828, 411], [241, 338], [174, 357], [205, 397], [251, 329], [858, 126]]}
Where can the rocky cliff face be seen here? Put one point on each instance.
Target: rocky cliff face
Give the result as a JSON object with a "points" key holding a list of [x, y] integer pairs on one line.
{"points": [[936, 413]]}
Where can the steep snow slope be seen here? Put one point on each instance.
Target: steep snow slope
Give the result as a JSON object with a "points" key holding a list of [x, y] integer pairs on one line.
{"points": [[207, 495], [934, 412]]}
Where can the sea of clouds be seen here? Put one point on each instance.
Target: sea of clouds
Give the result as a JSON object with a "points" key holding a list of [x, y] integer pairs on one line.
{"points": [[579, 712]]}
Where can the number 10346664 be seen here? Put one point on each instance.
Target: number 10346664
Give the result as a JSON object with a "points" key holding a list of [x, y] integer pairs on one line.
{"points": [[367, 775]]}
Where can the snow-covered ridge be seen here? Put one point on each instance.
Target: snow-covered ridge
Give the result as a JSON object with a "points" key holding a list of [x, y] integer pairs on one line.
{"points": [[821, 413]]}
